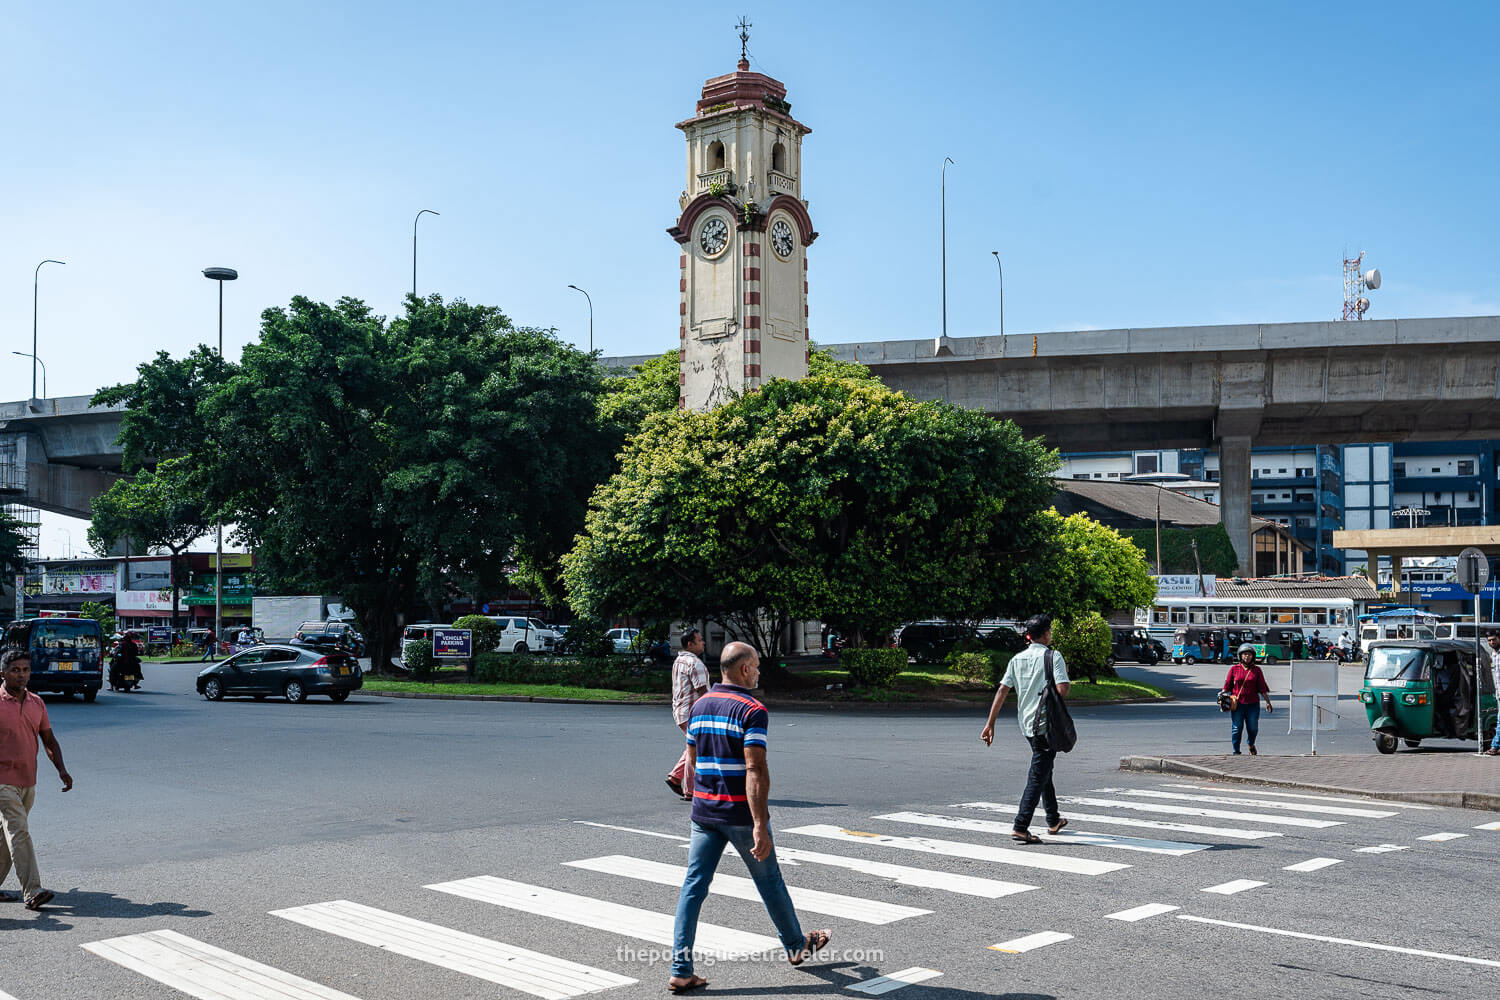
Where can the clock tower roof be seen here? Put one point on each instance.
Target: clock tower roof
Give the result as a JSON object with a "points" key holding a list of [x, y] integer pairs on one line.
{"points": [[743, 90]]}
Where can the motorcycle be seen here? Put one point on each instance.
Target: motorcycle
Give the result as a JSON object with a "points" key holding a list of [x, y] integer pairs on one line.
{"points": [[124, 667]]}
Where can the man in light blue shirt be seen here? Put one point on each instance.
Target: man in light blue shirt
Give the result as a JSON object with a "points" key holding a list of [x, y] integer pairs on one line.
{"points": [[1027, 676]]}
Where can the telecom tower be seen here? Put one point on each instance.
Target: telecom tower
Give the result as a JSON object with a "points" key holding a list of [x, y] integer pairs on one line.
{"points": [[1356, 283]]}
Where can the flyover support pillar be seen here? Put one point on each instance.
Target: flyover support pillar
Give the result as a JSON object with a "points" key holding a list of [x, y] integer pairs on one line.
{"points": [[1234, 498]]}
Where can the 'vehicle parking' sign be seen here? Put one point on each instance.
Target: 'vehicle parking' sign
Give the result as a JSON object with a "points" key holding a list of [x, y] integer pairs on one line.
{"points": [[452, 642]]}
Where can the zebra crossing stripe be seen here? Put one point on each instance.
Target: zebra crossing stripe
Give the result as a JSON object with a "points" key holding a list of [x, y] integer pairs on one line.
{"points": [[1441, 837], [1186, 810], [1303, 807], [1225, 790], [922, 878], [1488, 826], [1141, 912], [1228, 832], [1313, 865], [493, 961], [958, 849], [6, 996], [1382, 849], [1492, 963], [865, 911], [896, 980], [1168, 847], [1031, 942], [1238, 885], [200, 970], [616, 918]]}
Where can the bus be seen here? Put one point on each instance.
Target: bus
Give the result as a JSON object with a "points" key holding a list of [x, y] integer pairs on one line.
{"points": [[1398, 623], [1327, 615]]}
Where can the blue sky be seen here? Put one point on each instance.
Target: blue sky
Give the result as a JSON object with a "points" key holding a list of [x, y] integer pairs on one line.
{"points": [[1135, 165]]}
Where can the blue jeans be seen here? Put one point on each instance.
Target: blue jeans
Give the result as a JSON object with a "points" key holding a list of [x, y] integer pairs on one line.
{"points": [[704, 851], [1246, 717], [1038, 785]]}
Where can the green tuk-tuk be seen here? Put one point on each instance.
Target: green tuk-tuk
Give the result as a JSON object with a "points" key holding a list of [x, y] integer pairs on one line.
{"points": [[1417, 689], [1277, 643]]}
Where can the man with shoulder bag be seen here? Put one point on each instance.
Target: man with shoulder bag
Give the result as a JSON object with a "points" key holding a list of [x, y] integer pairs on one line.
{"points": [[1039, 676]]}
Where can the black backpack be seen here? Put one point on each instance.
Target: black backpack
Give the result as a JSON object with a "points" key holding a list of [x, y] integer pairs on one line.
{"points": [[1061, 734]]}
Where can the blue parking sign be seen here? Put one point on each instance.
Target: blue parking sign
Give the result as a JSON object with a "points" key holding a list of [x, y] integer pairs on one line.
{"points": [[452, 642]]}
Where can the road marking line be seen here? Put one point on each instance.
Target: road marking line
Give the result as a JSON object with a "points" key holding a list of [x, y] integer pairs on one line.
{"points": [[1158, 807], [1440, 837], [1382, 849], [1488, 826], [628, 921], [1294, 795], [1313, 865], [1333, 940], [1031, 942], [1141, 912], [1169, 847], [1146, 824], [923, 878], [1221, 800], [200, 970], [957, 849], [896, 980], [631, 829], [1238, 885], [493, 961], [865, 911]]}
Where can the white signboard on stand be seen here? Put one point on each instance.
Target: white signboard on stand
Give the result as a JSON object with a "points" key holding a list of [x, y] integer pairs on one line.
{"points": [[1314, 698]]}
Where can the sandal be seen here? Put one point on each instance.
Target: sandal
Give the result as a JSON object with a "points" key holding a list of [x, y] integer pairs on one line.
{"points": [[41, 899], [816, 942], [691, 983], [1055, 827], [1025, 837]]}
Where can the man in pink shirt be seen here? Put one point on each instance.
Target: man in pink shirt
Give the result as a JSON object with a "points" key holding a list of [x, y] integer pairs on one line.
{"points": [[689, 683], [23, 721]]}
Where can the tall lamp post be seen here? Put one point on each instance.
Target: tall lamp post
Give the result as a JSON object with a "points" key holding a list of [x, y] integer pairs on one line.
{"points": [[221, 275], [425, 211], [591, 316], [946, 160], [35, 280], [33, 357], [996, 254]]}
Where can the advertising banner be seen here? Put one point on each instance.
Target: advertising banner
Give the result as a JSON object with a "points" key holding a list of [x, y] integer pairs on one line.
{"points": [[154, 574], [452, 642], [1185, 585], [143, 600], [233, 560], [238, 588], [71, 578]]}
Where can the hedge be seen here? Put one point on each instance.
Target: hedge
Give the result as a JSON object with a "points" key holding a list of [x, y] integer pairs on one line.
{"points": [[875, 668]]}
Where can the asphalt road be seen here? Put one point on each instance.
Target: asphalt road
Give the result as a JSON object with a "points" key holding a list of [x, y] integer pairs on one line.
{"points": [[204, 818]]}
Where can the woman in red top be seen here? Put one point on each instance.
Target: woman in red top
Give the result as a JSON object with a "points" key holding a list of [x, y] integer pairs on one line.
{"points": [[1248, 685]]}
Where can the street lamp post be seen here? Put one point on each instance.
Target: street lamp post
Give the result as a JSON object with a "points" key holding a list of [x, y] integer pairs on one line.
{"points": [[425, 211], [35, 280], [33, 357], [1002, 298], [221, 275], [946, 161], [591, 316]]}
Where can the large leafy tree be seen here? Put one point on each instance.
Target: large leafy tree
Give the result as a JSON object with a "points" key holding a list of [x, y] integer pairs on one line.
{"points": [[157, 508], [13, 545], [369, 458], [1087, 567], [830, 498]]}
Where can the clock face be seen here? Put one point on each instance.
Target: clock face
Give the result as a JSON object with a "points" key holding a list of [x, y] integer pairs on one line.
{"points": [[714, 236], [781, 238]]}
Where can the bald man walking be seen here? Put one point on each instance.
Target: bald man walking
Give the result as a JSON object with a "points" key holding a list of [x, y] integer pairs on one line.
{"points": [[726, 747]]}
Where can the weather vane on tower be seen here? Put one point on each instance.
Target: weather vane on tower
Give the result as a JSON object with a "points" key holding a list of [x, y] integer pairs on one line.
{"points": [[744, 27]]}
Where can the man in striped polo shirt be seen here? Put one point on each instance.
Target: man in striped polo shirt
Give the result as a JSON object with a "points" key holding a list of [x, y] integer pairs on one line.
{"points": [[726, 743]]}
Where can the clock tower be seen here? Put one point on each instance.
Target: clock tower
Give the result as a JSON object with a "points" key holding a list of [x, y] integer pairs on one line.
{"points": [[744, 230]]}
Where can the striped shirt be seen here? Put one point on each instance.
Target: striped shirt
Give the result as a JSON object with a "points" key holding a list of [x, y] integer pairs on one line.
{"points": [[723, 723]]}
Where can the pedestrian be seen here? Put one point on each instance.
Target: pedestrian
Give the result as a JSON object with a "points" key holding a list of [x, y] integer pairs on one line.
{"points": [[208, 647], [23, 720], [726, 743], [1026, 675], [1247, 685], [1492, 647], [689, 683]]}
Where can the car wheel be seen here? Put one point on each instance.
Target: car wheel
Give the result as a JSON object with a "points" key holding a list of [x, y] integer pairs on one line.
{"points": [[1190, 660], [338, 697], [1153, 659], [213, 689], [521, 648], [1385, 743], [90, 694], [295, 692]]}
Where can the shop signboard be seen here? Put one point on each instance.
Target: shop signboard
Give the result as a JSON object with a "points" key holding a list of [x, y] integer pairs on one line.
{"points": [[70, 578], [148, 574], [1185, 585], [135, 601], [233, 560], [239, 588]]}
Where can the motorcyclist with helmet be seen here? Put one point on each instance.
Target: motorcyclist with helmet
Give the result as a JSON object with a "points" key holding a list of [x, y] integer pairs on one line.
{"points": [[1245, 685]]}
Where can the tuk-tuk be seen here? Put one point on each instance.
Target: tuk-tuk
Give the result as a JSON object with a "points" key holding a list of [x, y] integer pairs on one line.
{"points": [[1417, 689], [1135, 645], [1277, 643], [1193, 644]]}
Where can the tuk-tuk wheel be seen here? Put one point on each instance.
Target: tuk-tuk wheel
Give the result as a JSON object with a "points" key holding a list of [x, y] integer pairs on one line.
{"points": [[1191, 660], [1412, 743], [1270, 661], [1385, 743]]}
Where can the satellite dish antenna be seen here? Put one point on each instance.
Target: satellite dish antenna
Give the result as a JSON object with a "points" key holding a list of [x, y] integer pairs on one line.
{"points": [[1362, 304], [1372, 277]]}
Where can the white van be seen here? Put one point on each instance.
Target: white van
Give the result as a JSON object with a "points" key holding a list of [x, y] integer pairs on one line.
{"points": [[523, 635]]}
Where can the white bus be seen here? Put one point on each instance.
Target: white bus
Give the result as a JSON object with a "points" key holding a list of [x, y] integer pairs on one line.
{"points": [[1328, 615]]}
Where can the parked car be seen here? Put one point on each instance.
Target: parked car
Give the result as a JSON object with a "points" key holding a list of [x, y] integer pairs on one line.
{"points": [[335, 630], [624, 639], [930, 642], [293, 672], [524, 635]]}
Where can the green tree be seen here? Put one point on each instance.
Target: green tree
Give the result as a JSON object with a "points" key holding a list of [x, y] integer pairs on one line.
{"points": [[101, 613], [13, 543], [368, 458], [155, 509], [1085, 643], [1086, 566], [829, 498], [1215, 551]]}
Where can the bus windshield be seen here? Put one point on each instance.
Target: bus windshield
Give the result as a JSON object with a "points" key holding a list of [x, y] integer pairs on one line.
{"points": [[1390, 663]]}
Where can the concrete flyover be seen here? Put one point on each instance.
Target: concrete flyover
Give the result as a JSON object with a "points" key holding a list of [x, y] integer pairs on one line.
{"points": [[1399, 543], [1230, 387], [58, 454]]}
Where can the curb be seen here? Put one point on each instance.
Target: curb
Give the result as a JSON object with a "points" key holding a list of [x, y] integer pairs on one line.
{"points": [[1489, 801], [435, 696], [858, 706]]}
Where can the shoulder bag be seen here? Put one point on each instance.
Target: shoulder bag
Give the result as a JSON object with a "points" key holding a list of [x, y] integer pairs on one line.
{"points": [[1062, 736]]}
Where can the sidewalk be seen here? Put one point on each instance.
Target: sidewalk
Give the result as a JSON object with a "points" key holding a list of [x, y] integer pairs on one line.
{"points": [[1460, 779]]}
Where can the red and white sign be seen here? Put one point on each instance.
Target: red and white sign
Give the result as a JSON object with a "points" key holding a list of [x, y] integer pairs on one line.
{"points": [[143, 600]]}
